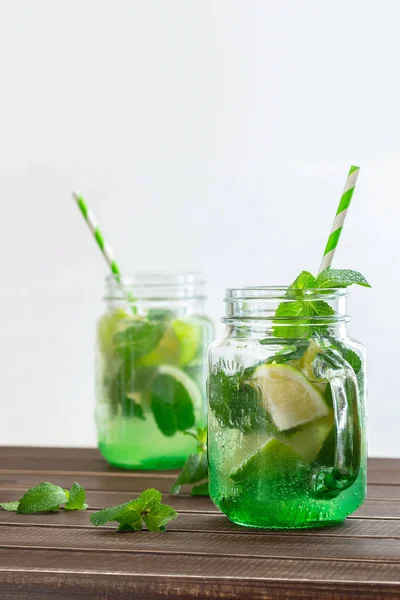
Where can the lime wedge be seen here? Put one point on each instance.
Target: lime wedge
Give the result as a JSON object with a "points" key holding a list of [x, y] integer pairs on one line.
{"points": [[274, 460], [174, 399], [167, 351], [188, 335], [108, 326], [308, 440], [288, 396], [178, 346], [305, 363]]}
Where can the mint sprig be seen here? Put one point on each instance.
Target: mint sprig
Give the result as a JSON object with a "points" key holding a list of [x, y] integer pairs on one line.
{"points": [[195, 469], [147, 509], [76, 498], [47, 497], [294, 319]]}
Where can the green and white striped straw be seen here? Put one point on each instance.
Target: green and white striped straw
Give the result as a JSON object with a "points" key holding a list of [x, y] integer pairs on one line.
{"points": [[339, 218], [98, 236]]}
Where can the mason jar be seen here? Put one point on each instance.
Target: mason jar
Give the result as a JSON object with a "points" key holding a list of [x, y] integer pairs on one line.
{"points": [[286, 427], [151, 369]]}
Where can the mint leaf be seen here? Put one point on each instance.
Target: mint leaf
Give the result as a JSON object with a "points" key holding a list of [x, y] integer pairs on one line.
{"points": [[149, 499], [201, 489], [76, 498], [303, 281], [339, 278], [172, 405], [160, 314], [42, 498], [130, 515], [140, 338], [200, 436], [288, 351], [10, 506], [134, 526], [158, 517], [297, 316], [110, 514], [235, 400], [194, 470], [293, 316], [354, 361]]}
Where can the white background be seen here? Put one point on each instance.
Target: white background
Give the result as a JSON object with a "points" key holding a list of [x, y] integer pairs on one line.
{"points": [[205, 135]]}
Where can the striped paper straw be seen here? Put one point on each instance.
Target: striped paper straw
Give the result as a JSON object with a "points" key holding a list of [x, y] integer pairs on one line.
{"points": [[98, 236], [339, 218]]}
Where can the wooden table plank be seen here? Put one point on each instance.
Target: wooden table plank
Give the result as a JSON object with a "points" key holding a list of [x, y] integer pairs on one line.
{"points": [[293, 546], [193, 576], [209, 523]]}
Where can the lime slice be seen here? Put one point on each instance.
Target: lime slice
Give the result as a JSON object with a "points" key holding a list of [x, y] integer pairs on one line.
{"points": [[288, 396], [174, 399], [167, 351], [308, 440], [108, 326], [305, 363], [274, 460], [238, 448], [178, 346], [188, 335]]}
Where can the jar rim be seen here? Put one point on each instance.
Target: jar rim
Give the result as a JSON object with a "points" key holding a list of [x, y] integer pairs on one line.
{"points": [[156, 286], [280, 292], [157, 278]]}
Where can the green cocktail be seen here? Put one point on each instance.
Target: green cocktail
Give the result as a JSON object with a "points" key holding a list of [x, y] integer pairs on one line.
{"points": [[151, 373], [286, 436]]}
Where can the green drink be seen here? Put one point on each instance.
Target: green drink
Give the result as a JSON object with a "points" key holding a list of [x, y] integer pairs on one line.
{"points": [[151, 371], [286, 430]]}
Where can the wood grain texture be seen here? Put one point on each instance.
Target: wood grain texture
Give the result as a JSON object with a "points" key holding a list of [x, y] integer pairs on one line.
{"points": [[211, 522], [89, 576], [89, 461], [202, 555]]}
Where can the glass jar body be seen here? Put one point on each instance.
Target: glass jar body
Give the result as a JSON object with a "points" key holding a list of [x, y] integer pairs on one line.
{"points": [[150, 373], [286, 426]]}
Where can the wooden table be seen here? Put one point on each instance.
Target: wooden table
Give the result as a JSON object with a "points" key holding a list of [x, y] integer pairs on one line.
{"points": [[202, 555]]}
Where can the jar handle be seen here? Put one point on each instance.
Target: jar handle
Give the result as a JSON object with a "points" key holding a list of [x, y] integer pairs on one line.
{"points": [[329, 482]]}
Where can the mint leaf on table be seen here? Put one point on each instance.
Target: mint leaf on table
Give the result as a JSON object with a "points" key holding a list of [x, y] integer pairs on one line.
{"points": [[76, 498], [339, 278], [42, 498], [195, 469], [47, 497], [10, 506], [157, 518], [140, 338], [130, 515]]}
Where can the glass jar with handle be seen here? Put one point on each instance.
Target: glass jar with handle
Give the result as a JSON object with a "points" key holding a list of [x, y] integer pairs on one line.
{"points": [[286, 429]]}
